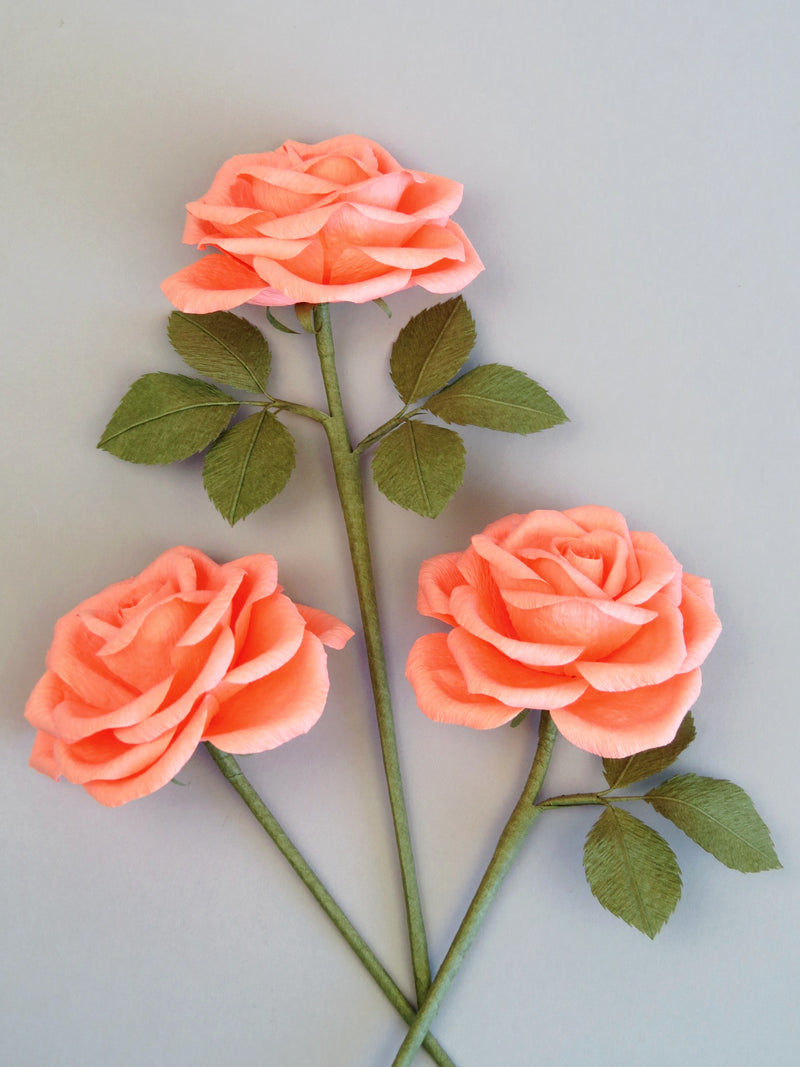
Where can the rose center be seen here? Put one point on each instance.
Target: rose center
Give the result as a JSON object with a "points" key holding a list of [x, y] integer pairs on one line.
{"points": [[585, 558]]}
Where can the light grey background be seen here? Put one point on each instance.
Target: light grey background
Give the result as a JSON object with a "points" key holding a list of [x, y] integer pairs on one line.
{"points": [[631, 174]]}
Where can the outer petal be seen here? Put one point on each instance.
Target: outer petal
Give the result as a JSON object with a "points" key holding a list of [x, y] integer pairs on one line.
{"points": [[330, 630], [448, 276], [213, 283], [620, 724], [163, 770], [274, 632], [43, 755], [486, 670], [47, 693], [273, 710], [701, 625], [657, 568], [300, 290], [441, 692], [438, 577]]}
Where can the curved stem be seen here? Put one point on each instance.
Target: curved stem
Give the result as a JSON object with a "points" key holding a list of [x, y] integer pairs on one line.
{"points": [[511, 840], [235, 775], [347, 471]]}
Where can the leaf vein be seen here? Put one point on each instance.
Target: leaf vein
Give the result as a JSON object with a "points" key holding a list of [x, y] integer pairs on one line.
{"points": [[223, 344], [433, 348], [166, 415]]}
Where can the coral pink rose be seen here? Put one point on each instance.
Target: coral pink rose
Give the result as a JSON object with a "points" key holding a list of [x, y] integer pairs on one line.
{"points": [[570, 612], [188, 651], [338, 220]]}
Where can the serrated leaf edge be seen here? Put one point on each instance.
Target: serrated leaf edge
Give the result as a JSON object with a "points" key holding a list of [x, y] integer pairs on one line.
{"points": [[726, 781], [166, 414], [223, 344], [560, 417], [457, 304]]}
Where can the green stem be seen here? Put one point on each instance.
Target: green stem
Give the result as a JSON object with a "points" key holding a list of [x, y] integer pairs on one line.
{"points": [[347, 471], [571, 800], [511, 840], [235, 775]]}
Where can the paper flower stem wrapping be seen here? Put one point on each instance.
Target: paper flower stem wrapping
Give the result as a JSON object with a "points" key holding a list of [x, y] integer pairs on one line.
{"points": [[235, 776], [346, 467], [508, 846]]}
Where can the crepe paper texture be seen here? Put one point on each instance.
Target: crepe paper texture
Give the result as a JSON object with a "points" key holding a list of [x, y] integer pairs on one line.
{"points": [[188, 651], [630, 868], [321, 223], [570, 614], [568, 611]]}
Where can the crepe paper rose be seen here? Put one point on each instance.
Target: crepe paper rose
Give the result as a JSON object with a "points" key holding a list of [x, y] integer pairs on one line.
{"points": [[336, 221], [188, 651], [568, 612]]}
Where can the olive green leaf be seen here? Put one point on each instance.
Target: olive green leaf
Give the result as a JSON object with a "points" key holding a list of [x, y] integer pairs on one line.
{"points": [[249, 465], [622, 772], [222, 346], [431, 348], [419, 466], [719, 816], [278, 324], [632, 870], [167, 417], [305, 316], [497, 398]]}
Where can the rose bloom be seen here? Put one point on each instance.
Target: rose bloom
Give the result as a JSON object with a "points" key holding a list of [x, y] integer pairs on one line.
{"points": [[338, 220], [570, 612], [188, 651]]}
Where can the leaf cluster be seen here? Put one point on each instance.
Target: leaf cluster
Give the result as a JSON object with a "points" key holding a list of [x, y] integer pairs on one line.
{"points": [[418, 465], [164, 418], [632, 870]]}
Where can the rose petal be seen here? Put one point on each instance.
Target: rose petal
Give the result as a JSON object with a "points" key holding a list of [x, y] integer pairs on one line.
{"points": [[73, 657], [43, 755], [486, 618], [47, 693], [300, 290], [200, 669], [213, 283], [274, 633], [486, 670], [615, 725], [276, 708], [146, 660], [74, 720], [440, 690], [657, 567], [330, 630], [572, 621], [653, 654], [103, 755], [438, 577], [430, 196], [184, 742], [449, 277], [701, 625]]}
